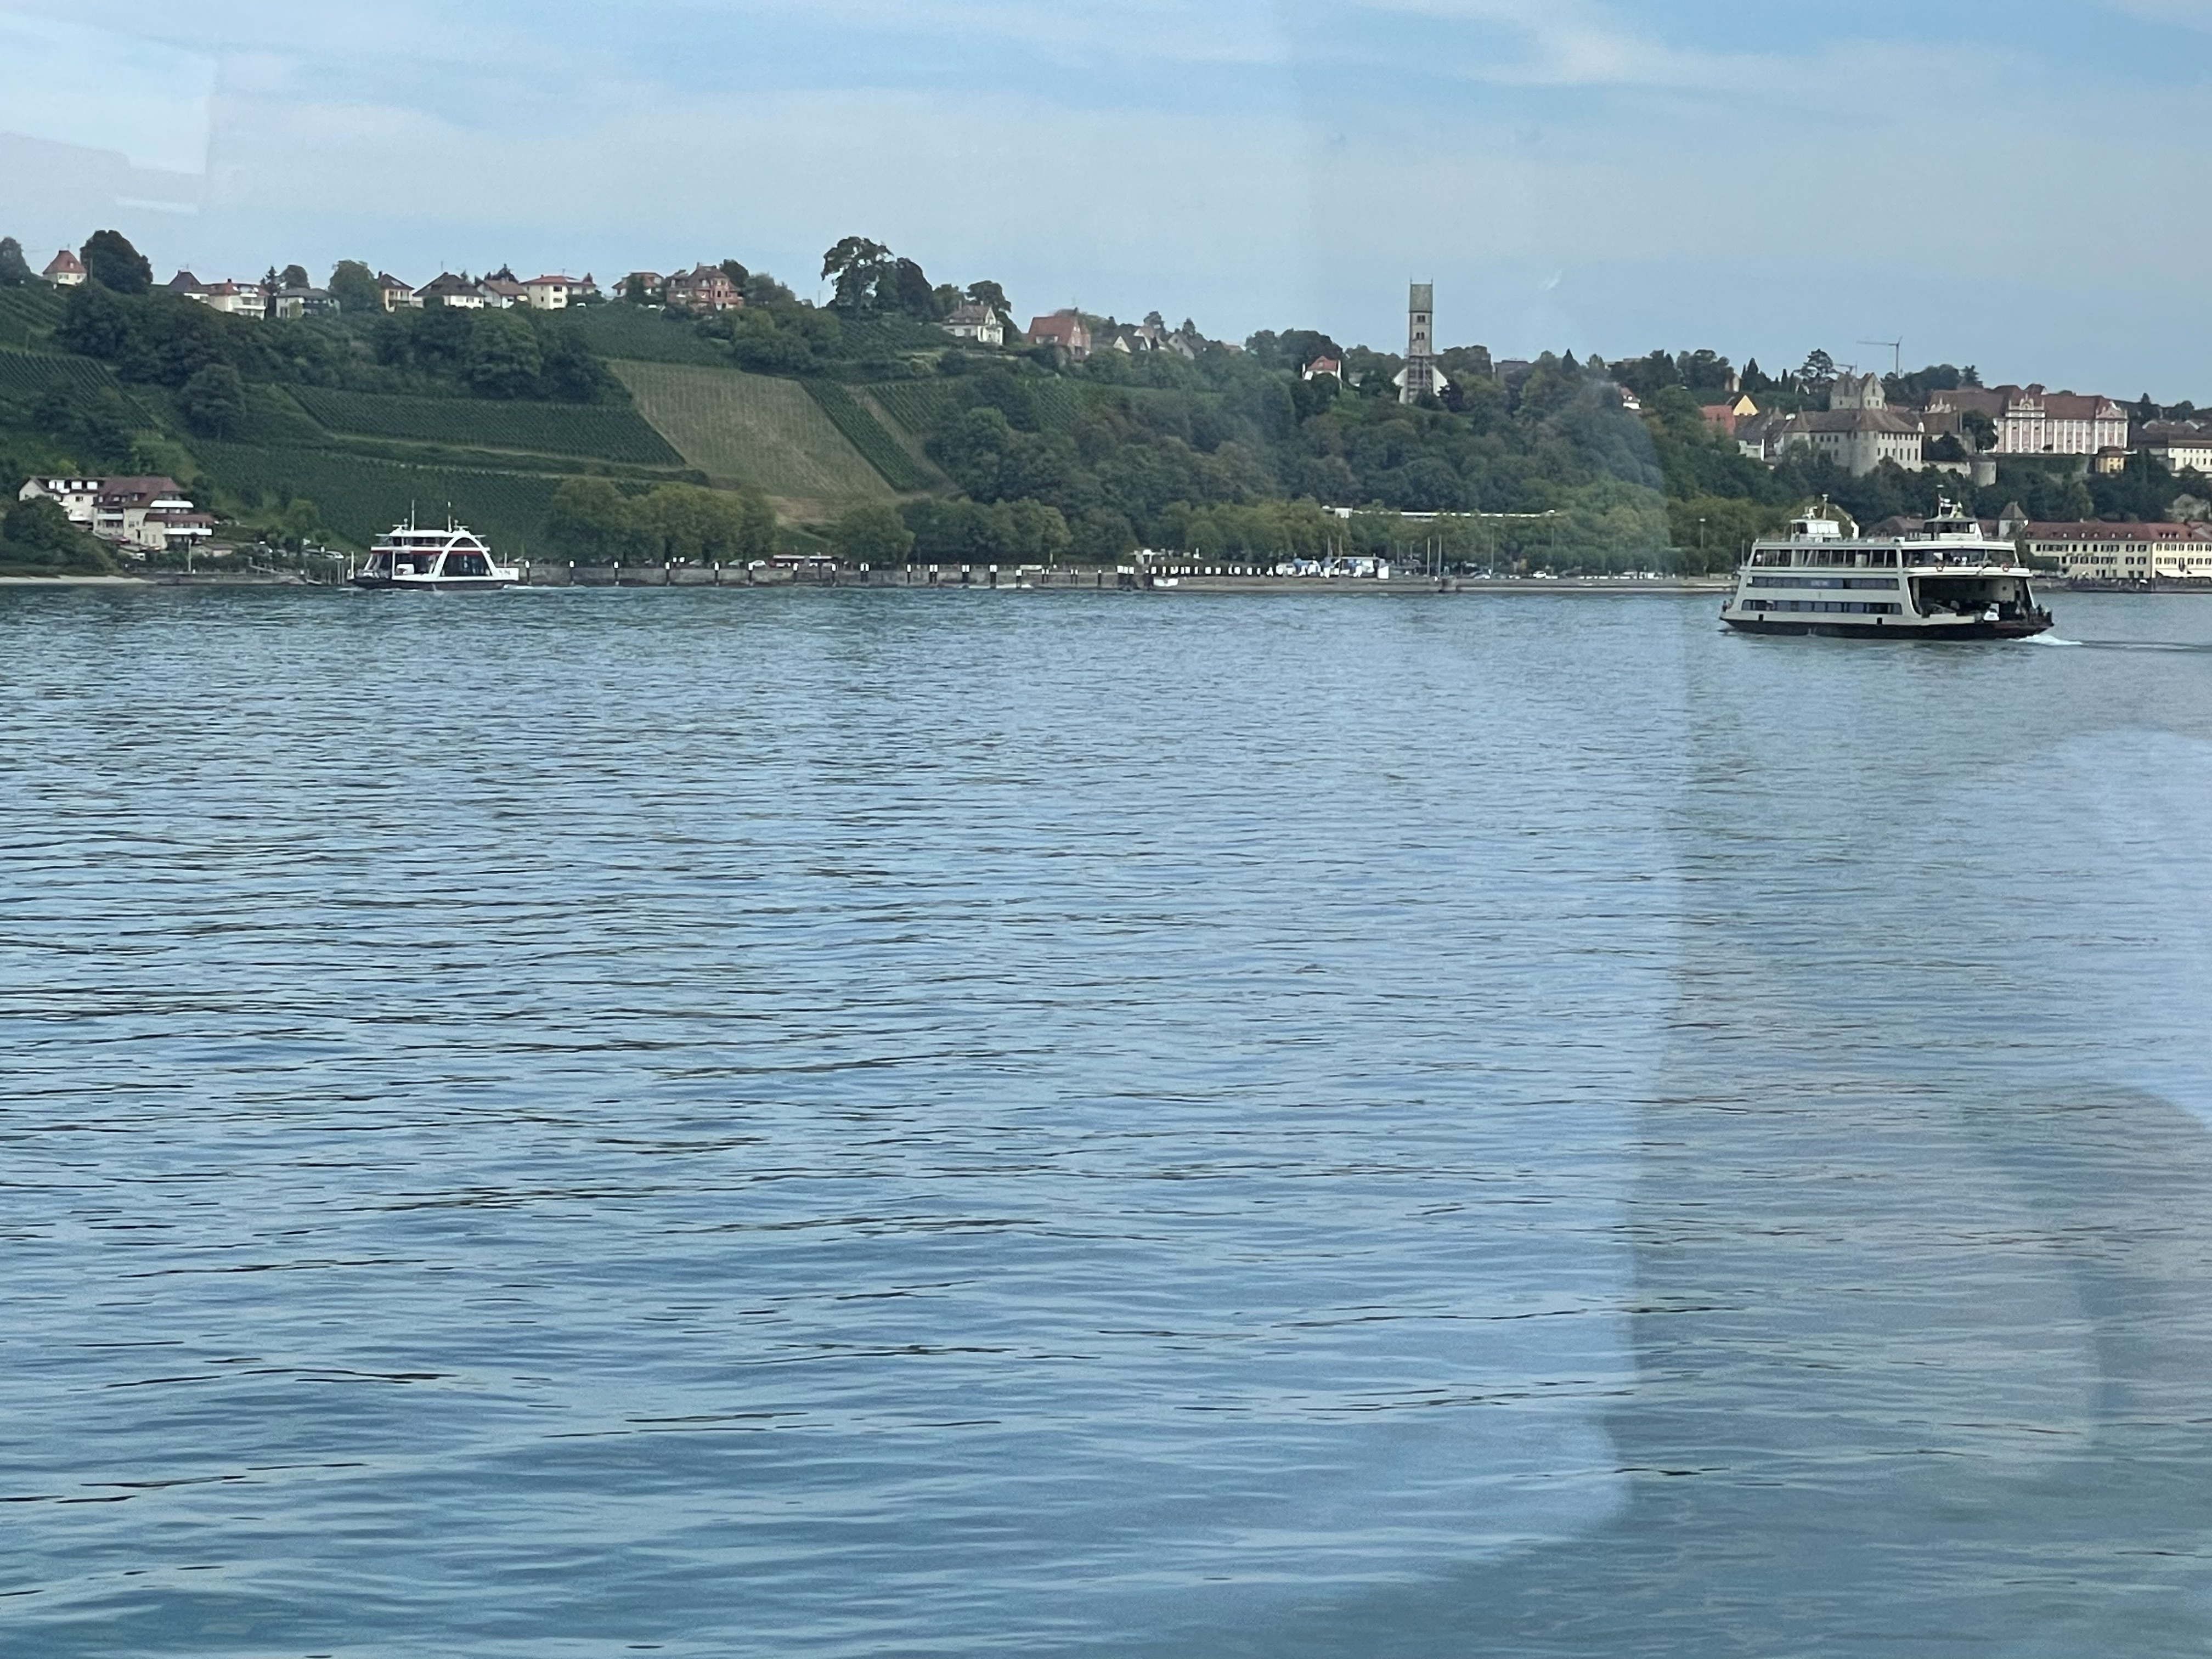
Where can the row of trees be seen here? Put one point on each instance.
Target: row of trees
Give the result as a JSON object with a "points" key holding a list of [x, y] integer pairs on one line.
{"points": [[595, 522], [167, 340]]}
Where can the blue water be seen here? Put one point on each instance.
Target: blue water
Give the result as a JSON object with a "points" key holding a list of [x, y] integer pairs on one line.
{"points": [[833, 1124]]}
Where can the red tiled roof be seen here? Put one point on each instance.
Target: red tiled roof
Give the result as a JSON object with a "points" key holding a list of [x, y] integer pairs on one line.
{"points": [[2094, 531]]}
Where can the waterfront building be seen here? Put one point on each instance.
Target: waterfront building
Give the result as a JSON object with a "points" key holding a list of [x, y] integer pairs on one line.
{"points": [[2096, 551], [145, 514], [75, 497]]}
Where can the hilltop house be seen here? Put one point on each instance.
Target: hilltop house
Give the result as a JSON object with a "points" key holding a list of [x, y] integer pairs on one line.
{"points": [[394, 293], [1726, 417], [1320, 368], [232, 299], [977, 323], [557, 293], [1064, 328], [703, 288], [503, 293], [456, 293], [64, 269], [288, 305]]}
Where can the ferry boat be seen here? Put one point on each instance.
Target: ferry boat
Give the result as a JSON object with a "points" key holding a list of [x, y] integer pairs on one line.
{"points": [[1949, 582], [448, 561]]}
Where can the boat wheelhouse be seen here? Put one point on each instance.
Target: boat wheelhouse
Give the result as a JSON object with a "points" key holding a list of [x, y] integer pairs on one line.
{"points": [[448, 561], [1947, 582]]}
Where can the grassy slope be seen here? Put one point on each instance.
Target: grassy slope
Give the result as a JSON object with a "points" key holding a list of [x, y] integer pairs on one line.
{"points": [[595, 431], [360, 497], [754, 429], [871, 399]]}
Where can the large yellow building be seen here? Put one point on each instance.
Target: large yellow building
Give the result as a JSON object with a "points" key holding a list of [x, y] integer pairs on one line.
{"points": [[2124, 552]]}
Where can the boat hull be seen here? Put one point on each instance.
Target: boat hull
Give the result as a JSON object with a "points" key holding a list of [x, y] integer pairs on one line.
{"points": [[1877, 629], [434, 583]]}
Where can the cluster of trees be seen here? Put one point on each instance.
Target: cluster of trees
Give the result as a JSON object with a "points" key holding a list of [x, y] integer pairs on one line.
{"points": [[36, 535], [596, 522], [164, 339], [1156, 439], [869, 278], [493, 353]]}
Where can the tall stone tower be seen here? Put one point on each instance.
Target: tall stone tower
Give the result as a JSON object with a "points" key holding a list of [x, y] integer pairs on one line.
{"points": [[1421, 344]]}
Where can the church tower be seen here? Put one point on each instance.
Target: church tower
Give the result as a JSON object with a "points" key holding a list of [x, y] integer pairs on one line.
{"points": [[1421, 344]]}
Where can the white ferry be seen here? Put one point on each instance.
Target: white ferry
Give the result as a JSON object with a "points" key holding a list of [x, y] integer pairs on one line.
{"points": [[448, 561], [1948, 583]]}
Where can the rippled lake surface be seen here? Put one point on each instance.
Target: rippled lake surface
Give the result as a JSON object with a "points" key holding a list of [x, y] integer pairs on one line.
{"points": [[833, 1124]]}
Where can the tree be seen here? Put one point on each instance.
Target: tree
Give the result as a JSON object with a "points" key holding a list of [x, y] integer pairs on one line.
{"points": [[636, 290], [737, 274], [1819, 368], [589, 520], [15, 272], [859, 267], [112, 262], [40, 524], [213, 402], [352, 285], [94, 323], [906, 289], [992, 297], [1979, 429], [293, 276], [502, 358], [873, 534]]}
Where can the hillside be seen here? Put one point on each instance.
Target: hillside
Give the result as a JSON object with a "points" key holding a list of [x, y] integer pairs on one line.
{"points": [[756, 430], [331, 428]]}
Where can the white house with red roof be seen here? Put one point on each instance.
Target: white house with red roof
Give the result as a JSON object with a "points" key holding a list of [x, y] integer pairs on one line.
{"points": [[1064, 328], [64, 269]]}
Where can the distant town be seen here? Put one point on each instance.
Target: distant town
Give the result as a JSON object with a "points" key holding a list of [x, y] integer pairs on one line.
{"points": [[1819, 421]]}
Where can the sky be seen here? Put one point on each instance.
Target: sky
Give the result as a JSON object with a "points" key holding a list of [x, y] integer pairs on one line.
{"points": [[2016, 184]]}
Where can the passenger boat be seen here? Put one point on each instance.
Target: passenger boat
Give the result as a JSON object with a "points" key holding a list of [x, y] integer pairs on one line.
{"points": [[1948, 582], [448, 561]]}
